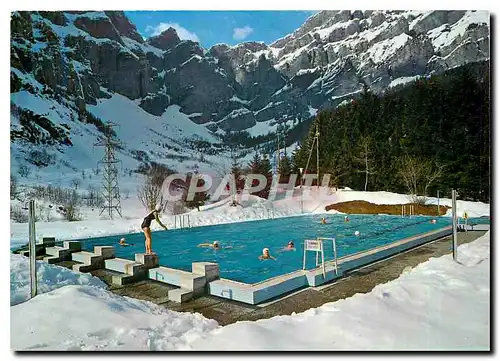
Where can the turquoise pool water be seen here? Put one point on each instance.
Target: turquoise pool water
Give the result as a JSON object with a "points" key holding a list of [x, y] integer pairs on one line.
{"points": [[243, 242]]}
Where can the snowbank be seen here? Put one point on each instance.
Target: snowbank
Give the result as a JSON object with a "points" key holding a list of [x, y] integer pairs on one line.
{"points": [[439, 305], [49, 276], [88, 318]]}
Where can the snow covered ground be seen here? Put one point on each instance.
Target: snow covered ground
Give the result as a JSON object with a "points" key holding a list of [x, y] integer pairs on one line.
{"points": [[49, 278], [221, 212], [438, 305]]}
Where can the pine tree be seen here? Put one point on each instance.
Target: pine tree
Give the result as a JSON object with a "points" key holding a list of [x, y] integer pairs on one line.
{"points": [[284, 169]]}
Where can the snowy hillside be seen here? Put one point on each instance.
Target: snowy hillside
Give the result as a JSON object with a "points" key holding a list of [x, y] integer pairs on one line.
{"points": [[173, 100]]}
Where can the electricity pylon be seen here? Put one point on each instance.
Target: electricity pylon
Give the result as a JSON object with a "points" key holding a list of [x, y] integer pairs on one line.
{"points": [[110, 189]]}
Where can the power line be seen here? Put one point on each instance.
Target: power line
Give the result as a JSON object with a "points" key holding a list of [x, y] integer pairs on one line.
{"points": [[110, 189]]}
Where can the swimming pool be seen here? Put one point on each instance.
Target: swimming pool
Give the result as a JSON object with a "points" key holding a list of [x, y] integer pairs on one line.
{"points": [[243, 242]]}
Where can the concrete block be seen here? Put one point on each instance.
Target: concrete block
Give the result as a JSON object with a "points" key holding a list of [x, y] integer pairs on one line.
{"points": [[48, 241], [106, 252], [51, 259], [121, 280], [87, 258], [63, 253], [134, 268], [148, 260], [208, 269], [180, 295], [80, 267], [74, 246], [193, 282]]}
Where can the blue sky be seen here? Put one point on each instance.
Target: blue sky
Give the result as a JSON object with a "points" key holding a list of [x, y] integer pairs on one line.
{"points": [[212, 27]]}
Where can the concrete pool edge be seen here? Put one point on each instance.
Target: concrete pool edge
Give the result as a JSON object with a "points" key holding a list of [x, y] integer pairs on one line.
{"points": [[280, 285]]}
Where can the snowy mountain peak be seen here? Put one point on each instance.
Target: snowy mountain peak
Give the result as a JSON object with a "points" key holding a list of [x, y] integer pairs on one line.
{"points": [[69, 70]]}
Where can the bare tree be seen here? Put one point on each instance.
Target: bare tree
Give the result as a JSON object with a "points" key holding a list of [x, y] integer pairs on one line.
{"points": [[13, 187], [364, 157], [76, 182], [150, 193], [71, 208], [24, 171], [418, 174]]}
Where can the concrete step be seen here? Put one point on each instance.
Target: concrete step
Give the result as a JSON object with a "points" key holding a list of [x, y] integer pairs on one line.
{"points": [[125, 266], [180, 295], [51, 259], [48, 241], [182, 279], [121, 280], [74, 246], [106, 252], [87, 258], [208, 269], [61, 252], [39, 250]]}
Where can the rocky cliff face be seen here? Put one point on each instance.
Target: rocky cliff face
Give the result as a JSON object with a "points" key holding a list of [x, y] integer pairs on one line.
{"points": [[80, 57]]}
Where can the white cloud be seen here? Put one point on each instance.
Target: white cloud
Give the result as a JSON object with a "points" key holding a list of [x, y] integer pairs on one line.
{"points": [[184, 34], [242, 33]]}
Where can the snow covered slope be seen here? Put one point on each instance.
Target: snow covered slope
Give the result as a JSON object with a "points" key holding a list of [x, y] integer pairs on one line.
{"points": [[69, 67]]}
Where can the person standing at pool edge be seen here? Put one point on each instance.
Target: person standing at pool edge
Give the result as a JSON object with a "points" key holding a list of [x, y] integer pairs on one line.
{"points": [[146, 224]]}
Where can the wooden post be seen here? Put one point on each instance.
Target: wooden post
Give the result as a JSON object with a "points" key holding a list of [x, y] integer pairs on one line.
{"points": [[454, 214], [32, 247]]}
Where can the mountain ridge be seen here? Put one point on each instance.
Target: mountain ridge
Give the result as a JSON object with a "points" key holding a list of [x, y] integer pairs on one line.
{"points": [[81, 62]]}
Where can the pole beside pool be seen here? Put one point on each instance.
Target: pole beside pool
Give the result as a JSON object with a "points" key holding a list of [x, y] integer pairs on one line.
{"points": [[32, 247], [454, 215], [439, 213]]}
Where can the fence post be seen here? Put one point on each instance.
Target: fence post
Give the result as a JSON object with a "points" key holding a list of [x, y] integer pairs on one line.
{"points": [[32, 247], [439, 213], [454, 214]]}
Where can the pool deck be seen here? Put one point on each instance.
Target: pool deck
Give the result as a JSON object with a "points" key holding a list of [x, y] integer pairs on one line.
{"points": [[226, 311]]}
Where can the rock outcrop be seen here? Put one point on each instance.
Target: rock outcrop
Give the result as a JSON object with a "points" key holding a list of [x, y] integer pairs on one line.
{"points": [[83, 56]]}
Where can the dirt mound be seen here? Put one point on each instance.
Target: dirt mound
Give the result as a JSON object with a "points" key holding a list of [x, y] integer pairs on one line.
{"points": [[364, 207]]}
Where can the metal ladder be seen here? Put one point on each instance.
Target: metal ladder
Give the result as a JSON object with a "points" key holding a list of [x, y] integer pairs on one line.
{"points": [[317, 245]]}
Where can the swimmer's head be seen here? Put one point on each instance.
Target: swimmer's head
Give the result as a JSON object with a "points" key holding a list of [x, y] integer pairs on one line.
{"points": [[291, 244], [433, 221], [122, 240], [265, 251], [356, 233], [216, 244]]}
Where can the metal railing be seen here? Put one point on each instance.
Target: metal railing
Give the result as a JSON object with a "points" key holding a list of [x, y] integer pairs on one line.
{"points": [[317, 245], [407, 210], [184, 221]]}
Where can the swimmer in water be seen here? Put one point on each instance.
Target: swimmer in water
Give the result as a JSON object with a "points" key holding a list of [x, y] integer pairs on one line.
{"points": [[214, 245], [323, 220], [123, 243], [346, 219], [289, 247], [266, 255], [433, 221]]}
